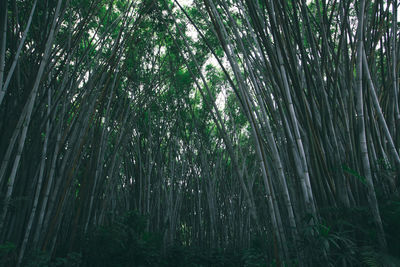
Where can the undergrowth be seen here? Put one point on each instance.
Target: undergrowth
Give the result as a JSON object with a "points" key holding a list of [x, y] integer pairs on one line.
{"points": [[343, 237]]}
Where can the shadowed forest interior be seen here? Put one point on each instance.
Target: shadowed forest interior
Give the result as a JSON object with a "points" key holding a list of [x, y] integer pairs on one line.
{"points": [[199, 133]]}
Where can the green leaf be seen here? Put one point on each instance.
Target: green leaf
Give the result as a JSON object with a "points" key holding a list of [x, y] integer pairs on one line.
{"points": [[354, 173]]}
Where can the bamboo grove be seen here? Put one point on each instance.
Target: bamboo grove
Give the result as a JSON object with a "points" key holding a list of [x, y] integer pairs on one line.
{"points": [[218, 122]]}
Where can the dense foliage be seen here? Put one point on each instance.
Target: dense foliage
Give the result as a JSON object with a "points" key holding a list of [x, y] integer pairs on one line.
{"points": [[199, 133]]}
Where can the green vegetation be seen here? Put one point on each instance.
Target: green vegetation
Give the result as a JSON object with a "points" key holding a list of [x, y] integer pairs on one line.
{"points": [[349, 235], [199, 133]]}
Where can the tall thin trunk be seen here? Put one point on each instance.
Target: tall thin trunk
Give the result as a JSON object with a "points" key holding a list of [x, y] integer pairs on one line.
{"points": [[362, 131], [101, 153], [39, 184], [395, 90], [378, 109], [3, 33], [3, 88], [31, 101]]}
